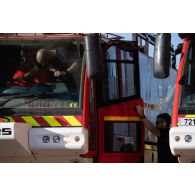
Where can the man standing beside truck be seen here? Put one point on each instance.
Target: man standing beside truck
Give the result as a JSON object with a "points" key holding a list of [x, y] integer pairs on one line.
{"points": [[161, 130]]}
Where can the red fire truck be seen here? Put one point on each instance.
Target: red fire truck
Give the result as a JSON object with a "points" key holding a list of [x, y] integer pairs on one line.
{"points": [[181, 135], [71, 98]]}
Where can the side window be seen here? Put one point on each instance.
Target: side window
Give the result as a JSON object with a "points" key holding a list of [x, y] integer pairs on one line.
{"points": [[111, 53], [110, 82], [119, 75], [127, 80], [188, 80], [126, 55], [122, 137], [189, 69]]}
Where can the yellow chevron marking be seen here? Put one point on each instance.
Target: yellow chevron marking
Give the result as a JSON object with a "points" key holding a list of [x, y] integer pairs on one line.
{"points": [[190, 116], [10, 118], [52, 121], [72, 120], [30, 120], [150, 147], [121, 118]]}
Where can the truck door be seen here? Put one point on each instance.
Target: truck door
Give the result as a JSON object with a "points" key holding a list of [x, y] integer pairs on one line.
{"points": [[121, 135]]}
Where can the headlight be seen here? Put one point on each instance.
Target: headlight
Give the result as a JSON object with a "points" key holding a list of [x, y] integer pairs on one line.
{"points": [[188, 138], [67, 139], [56, 139], [177, 138], [77, 138], [46, 139]]}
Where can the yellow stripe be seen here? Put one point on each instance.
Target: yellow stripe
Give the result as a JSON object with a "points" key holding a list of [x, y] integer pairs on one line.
{"points": [[30, 120], [150, 147], [52, 121], [190, 116], [121, 118], [72, 120]]}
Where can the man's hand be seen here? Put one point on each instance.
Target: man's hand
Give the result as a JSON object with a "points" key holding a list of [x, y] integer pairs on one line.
{"points": [[59, 73], [147, 123], [140, 110]]}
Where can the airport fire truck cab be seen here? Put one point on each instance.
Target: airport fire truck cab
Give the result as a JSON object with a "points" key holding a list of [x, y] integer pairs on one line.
{"points": [[182, 134], [71, 98]]}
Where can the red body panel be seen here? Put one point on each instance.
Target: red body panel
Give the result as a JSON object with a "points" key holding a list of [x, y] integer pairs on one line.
{"points": [[120, 158], [86, 94], [125, 109], [178, 87]]}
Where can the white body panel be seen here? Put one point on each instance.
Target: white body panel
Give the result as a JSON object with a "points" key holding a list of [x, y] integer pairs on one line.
{"points": [[27, 144], [16, 143], [184, 150], [36, 143]]}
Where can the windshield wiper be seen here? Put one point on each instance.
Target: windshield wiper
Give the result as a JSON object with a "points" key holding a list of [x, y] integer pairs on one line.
{"points": [[4, 98], [50, 94]]}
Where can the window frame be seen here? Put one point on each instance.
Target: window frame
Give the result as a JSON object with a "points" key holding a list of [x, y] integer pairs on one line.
{"points": [[49, 110], [118, 61], [138, 137], [182, 108]]}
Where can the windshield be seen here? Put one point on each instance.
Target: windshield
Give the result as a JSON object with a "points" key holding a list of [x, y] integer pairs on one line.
{"points": [[40, 73], [188, 79]]}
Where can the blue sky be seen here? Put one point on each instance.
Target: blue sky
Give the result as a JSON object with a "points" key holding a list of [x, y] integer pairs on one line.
{"points": [[175, 39]]}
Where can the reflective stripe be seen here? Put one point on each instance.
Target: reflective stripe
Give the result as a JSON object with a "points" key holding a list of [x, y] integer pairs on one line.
{"points": [[10, 118], [150, 147], [72, 120], [121, 118], [190, 116], [46, 121], [52, 121], [30, 120]]}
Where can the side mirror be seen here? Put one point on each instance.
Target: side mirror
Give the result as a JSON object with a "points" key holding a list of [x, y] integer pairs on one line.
{"points": [[162, 55], [93, 55]]}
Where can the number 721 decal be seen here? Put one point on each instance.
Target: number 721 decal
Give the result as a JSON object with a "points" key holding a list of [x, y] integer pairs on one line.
{"points": [[187, 121]]}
